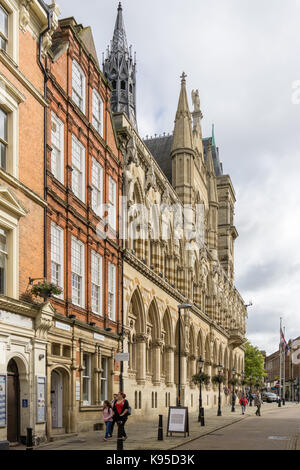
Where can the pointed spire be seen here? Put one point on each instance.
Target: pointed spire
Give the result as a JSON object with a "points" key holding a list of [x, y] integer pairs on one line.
{"points": [[213, 142], [119, 42], [211, 175], [182, 137]]}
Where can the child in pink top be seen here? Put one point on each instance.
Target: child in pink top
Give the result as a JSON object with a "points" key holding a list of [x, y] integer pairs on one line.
{"points": [[107, 416]]}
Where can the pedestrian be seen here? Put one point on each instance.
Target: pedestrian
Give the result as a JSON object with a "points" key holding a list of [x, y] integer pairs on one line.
{"points": [[120, 410], [258, 403], [107, 415], [114, 418], [243, 403]]}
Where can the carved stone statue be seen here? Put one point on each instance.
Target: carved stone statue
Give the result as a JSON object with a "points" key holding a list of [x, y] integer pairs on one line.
{"points": [[196, 100], [132, 154], [150, 178]]}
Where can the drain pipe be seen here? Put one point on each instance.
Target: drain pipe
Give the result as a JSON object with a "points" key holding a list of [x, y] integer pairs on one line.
{"points": [[49, 15]]}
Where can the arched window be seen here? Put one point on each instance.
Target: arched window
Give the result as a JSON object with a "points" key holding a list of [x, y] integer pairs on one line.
{"points": [[123, 85]]}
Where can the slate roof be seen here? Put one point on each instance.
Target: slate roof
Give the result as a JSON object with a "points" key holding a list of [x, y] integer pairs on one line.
{"points": [[160, 148]]}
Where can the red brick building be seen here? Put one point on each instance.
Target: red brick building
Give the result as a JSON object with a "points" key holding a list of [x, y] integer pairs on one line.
{"points": [[292, 372], [84, 171]]}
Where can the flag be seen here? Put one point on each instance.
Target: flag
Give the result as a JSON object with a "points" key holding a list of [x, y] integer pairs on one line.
{"points": [[284, 344]]}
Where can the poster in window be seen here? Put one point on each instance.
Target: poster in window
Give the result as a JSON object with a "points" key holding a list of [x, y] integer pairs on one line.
{"points": [[41, 400], [2, 401], [178, 420]]}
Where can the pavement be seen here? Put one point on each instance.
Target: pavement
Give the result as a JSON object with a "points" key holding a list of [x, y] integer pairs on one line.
{"points": [[142, 435], [276, 429]]}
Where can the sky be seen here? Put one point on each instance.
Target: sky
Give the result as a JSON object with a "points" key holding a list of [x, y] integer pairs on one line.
{"points": [[244, 57]]}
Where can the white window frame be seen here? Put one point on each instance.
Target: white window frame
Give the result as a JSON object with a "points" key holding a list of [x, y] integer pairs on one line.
{"points": [[80, 274], [60, 150], [12, 10], [75, 93], [99, 285], [60, 232], [80, 170], [87, 377], [5, 253], [10, 98], [104, 380], [97, 188], [111, 307], [97, 119], [112, 201]]}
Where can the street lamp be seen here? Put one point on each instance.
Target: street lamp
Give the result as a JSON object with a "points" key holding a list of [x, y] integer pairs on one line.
{"points": [[220, 368], [243, 382], [233, 372], [180, 307], [201, 409], [250, 393]]}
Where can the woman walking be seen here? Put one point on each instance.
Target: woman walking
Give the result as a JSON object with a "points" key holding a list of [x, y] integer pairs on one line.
{"points": [[258, 403], [243, 403], [107, 415], [120, 410]]}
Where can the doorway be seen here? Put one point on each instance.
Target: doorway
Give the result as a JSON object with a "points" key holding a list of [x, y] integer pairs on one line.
{"points": [[13, 402], [57, 399]]}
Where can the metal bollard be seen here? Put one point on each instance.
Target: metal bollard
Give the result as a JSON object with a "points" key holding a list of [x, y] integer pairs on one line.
{"points": [[279, 403], [202, 416], [160, 436], [283, 401], [29, 441], [120, 437]]}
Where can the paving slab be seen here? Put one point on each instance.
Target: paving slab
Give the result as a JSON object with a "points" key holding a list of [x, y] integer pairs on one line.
{"points": [[142, 435]]}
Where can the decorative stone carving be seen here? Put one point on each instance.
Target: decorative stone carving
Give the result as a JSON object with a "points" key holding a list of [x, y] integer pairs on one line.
{"points": [[47, 38], [24, 15], [44, 320], [196, 100], [150, 178], [131, 154]]}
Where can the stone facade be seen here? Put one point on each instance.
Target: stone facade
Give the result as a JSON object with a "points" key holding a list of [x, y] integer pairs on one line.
{"points": [[167, 180]]}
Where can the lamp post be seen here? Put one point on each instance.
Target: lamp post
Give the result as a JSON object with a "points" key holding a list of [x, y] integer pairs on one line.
{"points": [[250, 393], [220, 368], [243, 380], [233, 394], [201, 409], [180, 307]]}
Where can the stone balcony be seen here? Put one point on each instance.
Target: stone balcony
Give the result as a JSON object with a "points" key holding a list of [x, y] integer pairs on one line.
{"points": [[236, 338]]}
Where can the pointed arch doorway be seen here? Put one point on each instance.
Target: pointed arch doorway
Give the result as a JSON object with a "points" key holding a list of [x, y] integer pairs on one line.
{"points": [[13, 402]]}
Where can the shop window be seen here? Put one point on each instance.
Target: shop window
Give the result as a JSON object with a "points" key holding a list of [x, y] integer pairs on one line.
{"points": [[104, 378], [86, 379]]}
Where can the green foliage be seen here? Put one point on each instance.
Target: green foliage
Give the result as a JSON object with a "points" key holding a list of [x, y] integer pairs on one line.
{"points": [[218, 379], [45, 289], [254, 363], [233, 381], [201, 378]]}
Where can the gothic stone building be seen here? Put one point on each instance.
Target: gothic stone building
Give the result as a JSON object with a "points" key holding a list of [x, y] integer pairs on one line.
{"points": [[161, 272]]}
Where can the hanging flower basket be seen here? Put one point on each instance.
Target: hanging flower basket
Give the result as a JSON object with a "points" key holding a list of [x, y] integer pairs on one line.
{"points": [[218, 379], [226, 391], [201, 378], [46, 289], [233, 381]]}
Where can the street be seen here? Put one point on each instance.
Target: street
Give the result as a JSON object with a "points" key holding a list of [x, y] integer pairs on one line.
{"points": [[275, 429]]}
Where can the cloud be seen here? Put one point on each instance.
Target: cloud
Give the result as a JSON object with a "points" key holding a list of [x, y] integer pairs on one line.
{"points": [[244, 61]]}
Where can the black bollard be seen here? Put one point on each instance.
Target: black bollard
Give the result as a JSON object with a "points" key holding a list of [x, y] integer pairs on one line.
{"points": [[160, 436], [120, 436], [202, 416], [283, 401], [29, 441], [279, 403]]}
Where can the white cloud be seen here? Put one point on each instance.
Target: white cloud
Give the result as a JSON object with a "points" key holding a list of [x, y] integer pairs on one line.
{"points": [[243, 57]]}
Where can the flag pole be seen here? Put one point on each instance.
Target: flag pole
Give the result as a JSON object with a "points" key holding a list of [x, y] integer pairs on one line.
{"points": [[280, 365], [283, 358]]}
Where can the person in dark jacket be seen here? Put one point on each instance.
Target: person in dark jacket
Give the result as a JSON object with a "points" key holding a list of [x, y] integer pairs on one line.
{"points": [[120, 409]]}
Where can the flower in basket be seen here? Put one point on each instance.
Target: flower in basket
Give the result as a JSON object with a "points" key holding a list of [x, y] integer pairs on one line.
{"points": [[218, 379], [233, 381], [201, 378], [45, 289], [226, 391]]}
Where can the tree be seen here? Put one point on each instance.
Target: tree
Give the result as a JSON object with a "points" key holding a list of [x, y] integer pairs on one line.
{"points": [[254, 362]]}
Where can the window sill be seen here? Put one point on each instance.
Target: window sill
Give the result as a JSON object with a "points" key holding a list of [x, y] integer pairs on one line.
{"points": [[90, 407]]}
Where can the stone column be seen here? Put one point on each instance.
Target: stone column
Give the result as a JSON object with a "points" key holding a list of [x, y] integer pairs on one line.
{"points": [[74, 368], [157, 345], [170, 365], [97, 371], [141, 358]]}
